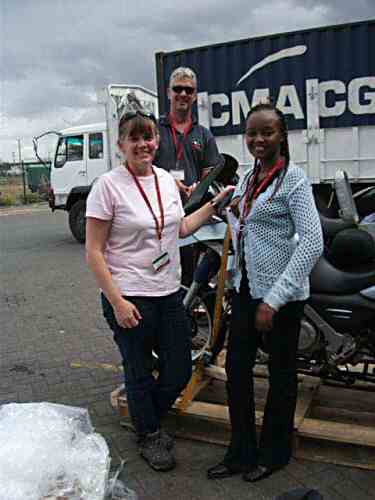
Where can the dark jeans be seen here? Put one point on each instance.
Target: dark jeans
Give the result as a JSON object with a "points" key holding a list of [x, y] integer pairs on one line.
{"points": [[275, 444], [163, 329], [188, 260]]}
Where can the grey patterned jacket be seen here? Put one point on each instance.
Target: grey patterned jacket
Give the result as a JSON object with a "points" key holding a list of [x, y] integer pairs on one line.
{"points": [[278, 264]]}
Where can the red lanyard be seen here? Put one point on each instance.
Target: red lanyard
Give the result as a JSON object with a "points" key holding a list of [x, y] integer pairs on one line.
{"points": [[159, 227], [252, 192], [178, 144]]}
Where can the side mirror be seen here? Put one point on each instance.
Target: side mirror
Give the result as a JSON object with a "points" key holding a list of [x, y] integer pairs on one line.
{"points": [[347, 209], [60, 162]]}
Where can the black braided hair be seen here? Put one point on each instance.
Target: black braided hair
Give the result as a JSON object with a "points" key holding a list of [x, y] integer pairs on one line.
{"points": [[284, 149]]}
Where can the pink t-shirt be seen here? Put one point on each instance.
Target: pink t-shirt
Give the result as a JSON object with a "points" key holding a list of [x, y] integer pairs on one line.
{"points": [[133, 244]]}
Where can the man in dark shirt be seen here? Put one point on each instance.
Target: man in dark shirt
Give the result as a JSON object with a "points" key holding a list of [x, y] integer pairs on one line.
{"points": [[187, 150]]}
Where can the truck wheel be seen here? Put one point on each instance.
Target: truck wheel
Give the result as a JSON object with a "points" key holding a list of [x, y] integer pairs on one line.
{"points": [[77, 220]]}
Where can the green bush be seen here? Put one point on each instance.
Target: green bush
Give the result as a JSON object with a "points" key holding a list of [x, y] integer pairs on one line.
{"points": [[31, 198], [7, 200]]}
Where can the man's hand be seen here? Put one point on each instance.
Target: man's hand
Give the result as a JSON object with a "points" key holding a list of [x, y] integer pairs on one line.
{"points": [[127, 315], [205, 172], [264, 317], [187, 190]]}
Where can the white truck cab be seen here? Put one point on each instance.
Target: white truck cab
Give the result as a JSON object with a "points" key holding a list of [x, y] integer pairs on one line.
{"points": [[81, 156], [85, 152]]}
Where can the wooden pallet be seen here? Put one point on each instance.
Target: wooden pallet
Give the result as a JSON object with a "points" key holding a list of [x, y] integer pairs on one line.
{"points": [[332, 424], [335, 425]]}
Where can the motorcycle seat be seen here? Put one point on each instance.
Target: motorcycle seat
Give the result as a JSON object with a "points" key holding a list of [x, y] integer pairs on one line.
{"points": [[331, 226], [327, 279]]}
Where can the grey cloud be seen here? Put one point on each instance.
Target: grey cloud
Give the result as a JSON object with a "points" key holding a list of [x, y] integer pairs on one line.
{"points": [[33, 101], [55, 54], [345, 10]]}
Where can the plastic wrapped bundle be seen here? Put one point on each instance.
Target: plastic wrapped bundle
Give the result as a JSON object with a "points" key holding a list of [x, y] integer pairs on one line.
{"points": [[50, 452]]}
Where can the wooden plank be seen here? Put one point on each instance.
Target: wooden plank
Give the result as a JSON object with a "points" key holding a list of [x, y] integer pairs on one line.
{"points": [[220, 289], [359, 386], [208, 411], [334, 425], [190, 427], [114, 397], [307, 449], [306, 392], [217, 372], [123, 408], [345, 398], [348, 455], [196, 384], [221, 413], [337, 432], [343, 416]]}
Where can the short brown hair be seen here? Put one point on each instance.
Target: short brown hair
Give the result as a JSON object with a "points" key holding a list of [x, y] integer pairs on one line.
{"points": [[136, 125]]}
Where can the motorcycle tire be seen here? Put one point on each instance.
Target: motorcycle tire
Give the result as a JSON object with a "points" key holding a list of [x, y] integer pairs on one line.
{"points": [[200, 317], [219, 343]]}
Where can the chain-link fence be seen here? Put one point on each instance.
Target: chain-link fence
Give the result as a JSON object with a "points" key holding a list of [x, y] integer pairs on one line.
{"points": [[23, 184]]}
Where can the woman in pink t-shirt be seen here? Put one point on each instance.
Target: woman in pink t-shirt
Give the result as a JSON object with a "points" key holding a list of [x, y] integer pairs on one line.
{"points": [[134, 219]]}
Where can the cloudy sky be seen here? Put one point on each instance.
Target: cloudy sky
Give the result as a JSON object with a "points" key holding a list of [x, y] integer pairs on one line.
{"points": [[54, 54]]}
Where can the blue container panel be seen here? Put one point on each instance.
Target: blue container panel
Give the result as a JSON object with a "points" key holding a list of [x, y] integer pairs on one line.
{"points": [[338, 53]]}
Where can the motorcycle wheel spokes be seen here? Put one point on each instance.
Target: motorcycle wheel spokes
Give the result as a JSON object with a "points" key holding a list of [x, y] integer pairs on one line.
{"points": [[201, 327]]}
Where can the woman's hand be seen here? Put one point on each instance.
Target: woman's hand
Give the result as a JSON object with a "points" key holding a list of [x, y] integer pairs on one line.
{"points": [[235, 206], [223, 194], [194, 221], [127, 315], [264, 317]]}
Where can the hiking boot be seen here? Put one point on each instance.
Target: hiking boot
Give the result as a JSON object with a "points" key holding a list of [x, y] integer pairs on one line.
{"points": [[153, 449], [167, 439]]}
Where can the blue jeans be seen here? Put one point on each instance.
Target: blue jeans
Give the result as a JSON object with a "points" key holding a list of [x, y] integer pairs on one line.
{"points": [[163, 329]]}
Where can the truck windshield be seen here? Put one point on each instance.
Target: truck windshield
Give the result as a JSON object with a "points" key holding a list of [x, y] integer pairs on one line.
{"points": [[69, 148], [96, 146]]}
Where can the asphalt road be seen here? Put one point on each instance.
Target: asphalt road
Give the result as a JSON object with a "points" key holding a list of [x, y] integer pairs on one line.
{"points": [[54, 346]]}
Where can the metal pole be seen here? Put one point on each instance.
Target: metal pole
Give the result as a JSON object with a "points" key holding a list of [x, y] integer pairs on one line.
{"points": [[23, 170]]}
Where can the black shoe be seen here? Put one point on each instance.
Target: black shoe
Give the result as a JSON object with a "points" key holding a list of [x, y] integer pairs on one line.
{"points": [[221, 471], [260, 472], [153, 449], [167, 439]]}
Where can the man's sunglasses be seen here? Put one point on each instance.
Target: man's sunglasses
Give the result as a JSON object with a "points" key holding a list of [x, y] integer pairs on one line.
{"points": [[132, 114], [180, 88]]}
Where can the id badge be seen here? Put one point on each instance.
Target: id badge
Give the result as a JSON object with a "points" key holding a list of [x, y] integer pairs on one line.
{"points": [[160, 261], [178, 173]]}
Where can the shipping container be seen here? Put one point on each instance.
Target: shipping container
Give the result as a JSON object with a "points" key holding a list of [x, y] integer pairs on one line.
{"points": [[323, 80]]}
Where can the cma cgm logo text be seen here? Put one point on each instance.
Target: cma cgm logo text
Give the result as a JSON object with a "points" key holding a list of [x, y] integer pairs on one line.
{"points": [[335, 96]]}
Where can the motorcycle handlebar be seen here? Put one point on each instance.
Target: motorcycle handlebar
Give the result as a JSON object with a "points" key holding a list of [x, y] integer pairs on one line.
{"points": [[225, 201]]}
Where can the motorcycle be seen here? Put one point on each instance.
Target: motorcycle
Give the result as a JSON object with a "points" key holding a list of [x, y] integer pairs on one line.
{"points": [[364, 199], [199, 299], [338, 327]]}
